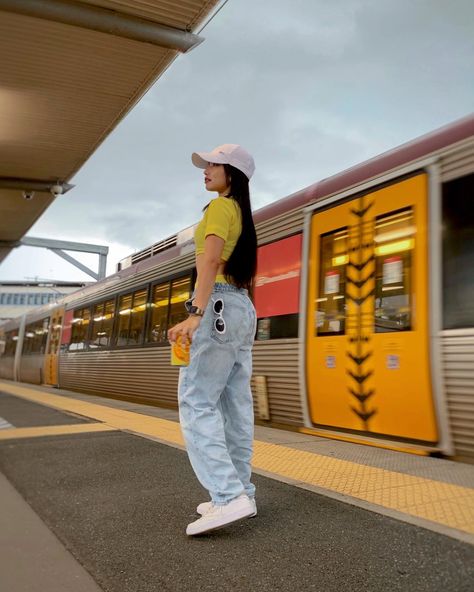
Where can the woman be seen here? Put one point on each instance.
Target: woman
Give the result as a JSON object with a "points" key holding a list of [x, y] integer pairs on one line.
{"points": [[215, 400]]}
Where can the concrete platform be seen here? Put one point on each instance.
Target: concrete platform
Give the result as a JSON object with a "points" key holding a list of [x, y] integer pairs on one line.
{"points": [[32, 559], [119, 500], [435, 493]]}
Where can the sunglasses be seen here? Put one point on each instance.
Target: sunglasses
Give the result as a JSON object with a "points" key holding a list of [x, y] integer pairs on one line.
{"points": [[219, 323]]}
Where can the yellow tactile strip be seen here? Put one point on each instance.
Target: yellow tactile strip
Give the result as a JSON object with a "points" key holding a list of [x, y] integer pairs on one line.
{"points": [[118, 419], [57, 430], [443, 503]]}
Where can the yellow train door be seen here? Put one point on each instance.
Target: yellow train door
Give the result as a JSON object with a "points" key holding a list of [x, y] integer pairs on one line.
{"points": [[51, 361], [367, 350]]}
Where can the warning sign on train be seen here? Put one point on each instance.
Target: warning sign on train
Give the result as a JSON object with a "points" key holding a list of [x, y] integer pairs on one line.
{"points": [[331, 282], [392, 271]]}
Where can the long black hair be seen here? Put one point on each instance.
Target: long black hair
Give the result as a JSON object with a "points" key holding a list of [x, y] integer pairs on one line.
{"points": [[241, 267]]}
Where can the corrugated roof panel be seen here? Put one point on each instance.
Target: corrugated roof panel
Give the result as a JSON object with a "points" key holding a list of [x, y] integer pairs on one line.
{"points": [[14, 210], [185, 14], [63, 90]]}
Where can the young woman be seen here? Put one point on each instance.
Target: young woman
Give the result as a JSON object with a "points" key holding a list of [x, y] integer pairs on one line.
{"points": [[215, 400]]}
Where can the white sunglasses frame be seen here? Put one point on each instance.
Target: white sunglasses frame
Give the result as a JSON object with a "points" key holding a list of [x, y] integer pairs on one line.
{"points": [[219, 316]]}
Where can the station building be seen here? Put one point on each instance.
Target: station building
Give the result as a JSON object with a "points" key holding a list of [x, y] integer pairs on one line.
{"points": [[17, 298]]}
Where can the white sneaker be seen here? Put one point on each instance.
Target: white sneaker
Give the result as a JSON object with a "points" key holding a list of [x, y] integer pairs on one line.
{"points": [[220, 516], [206, 506]]}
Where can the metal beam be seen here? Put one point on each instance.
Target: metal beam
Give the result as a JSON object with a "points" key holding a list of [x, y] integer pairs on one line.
{"points": [[104, 20], [76, 263], [47, 243], [57, 246], [102, 266]]}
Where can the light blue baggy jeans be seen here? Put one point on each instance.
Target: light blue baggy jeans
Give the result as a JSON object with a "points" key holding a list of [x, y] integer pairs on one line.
{"points": [[215, 400]]}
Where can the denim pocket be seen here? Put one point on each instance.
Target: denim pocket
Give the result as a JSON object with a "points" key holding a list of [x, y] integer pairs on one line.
{"points": [[219, 337]]}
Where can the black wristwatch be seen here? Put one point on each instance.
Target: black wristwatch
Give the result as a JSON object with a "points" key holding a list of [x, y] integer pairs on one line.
{"points": [[195, 311]]}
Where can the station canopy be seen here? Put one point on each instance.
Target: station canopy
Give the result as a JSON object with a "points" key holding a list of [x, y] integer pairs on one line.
{"points": [[70, 72]]}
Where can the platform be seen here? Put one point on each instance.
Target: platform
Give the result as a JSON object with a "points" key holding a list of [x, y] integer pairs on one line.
{"points": [[109, 481]]}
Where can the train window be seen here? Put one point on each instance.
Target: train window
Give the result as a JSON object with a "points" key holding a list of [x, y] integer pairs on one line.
{"points": [[102, 323], [36, 336], [44, 335], [125, 308], [137, 323], [28, 338], [279, 327], [159, 313], [132, 313], [80, 329], [11, 339], [167, 307], [394, 244], [331, 300], [458, 253], [108, 321], [96, 340], [180, 289]]}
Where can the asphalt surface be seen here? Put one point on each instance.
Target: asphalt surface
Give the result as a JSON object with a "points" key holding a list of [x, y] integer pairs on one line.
{"points": [[120, 504], [21, 414]]}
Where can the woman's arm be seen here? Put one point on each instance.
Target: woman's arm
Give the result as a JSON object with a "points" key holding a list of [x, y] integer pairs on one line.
{"points": [[208, 265]]}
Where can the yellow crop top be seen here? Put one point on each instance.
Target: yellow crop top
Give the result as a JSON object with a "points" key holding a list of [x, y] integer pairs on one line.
{"points": [[222, 218]]}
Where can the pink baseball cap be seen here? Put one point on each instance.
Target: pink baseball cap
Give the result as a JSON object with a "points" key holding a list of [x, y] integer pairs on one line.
{"points": [[232, 154]]}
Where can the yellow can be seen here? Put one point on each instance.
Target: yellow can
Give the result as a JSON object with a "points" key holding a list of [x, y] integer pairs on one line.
{"points": [[180, 351]]}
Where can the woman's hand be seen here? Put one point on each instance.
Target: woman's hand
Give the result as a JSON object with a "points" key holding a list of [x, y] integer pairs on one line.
{"points": [[186, 328]]}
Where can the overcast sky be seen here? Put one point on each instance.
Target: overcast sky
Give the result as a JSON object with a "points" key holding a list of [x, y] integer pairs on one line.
{"points": [[309, 87]]}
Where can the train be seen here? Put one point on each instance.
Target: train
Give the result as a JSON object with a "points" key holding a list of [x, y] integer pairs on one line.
{"points": [[365, 303]]}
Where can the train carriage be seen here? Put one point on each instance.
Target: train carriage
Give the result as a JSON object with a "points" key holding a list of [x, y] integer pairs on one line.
{"points": [[364, 297]]}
